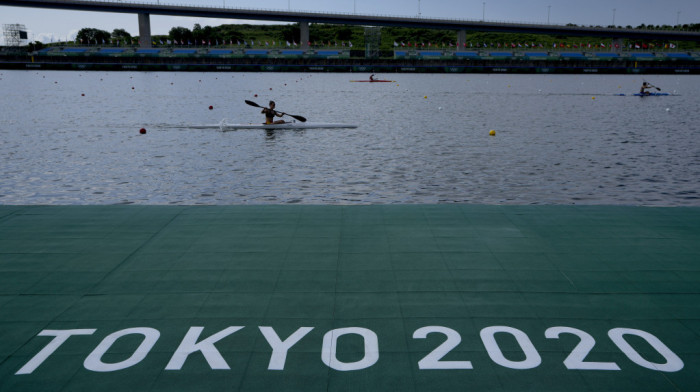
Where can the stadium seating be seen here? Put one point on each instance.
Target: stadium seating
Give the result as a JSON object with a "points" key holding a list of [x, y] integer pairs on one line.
{"points": [[679, 56]]}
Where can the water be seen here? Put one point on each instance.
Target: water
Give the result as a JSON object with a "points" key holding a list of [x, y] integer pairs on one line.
{"points": [[554, 143]]}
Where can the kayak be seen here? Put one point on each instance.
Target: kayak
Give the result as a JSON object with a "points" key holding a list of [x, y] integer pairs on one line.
{"points": [[645, 95], [651, 94], [374, 81], [289, 125]]}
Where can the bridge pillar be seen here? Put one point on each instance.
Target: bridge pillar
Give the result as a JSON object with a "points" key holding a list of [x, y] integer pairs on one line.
{"points": [[144, 30], [461, 39], [304, 34]]}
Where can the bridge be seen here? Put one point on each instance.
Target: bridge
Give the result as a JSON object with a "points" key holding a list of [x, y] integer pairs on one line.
{"points": [[144, 10]]}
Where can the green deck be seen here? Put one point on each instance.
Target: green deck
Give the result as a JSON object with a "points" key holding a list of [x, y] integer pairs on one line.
{"points": [[384, 270]]}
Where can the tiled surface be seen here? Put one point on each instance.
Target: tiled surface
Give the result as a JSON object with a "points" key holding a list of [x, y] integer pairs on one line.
{"points": [[385, 270]]}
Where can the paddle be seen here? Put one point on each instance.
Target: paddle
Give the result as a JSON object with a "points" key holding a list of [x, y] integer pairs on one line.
{"points": [[300, 118], [657, 89]]}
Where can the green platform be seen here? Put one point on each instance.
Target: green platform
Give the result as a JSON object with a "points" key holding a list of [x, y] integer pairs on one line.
{"points": [[478, 273]]}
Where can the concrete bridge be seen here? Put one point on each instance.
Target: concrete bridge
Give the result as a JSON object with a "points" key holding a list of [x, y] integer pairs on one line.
{"points": [[144, 10]]}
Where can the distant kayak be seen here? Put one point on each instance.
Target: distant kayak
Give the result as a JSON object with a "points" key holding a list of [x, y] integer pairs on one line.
{"points": [[374, 81], [646, 94], [651, 94]]}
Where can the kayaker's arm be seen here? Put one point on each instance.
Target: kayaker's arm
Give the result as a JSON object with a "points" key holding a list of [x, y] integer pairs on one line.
{"points": [[296, 116]]}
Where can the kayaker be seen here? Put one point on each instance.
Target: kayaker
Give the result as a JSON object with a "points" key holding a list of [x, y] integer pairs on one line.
{"points": [[371, 78], [270, 114], [645, 86]]}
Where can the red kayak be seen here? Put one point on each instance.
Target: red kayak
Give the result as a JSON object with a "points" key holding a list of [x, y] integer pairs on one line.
{"points": [[374, 81]]}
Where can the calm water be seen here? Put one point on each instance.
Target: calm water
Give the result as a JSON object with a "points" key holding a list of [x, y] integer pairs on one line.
{"points": [[554, 143]]}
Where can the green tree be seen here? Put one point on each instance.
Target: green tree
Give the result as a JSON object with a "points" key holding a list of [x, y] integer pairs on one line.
{"points": [[230, 33], [344, 33], [36, 45], [180, 34], [89, 35], [197, 32], [292, 33], [121, 34]]}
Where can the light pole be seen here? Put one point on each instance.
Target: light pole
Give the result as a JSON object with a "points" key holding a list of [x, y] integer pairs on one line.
{"points": [[483, 12], [678, 18], [614, 9], [419, 8], [549, 8]]}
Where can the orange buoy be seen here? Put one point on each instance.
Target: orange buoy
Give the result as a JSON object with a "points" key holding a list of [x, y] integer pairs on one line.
{"points": [[211, 107], [142, 131]]}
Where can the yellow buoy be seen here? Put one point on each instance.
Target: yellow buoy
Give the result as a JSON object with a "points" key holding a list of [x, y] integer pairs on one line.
{"points": [[426, 97], [492, 133], [592, 97]]}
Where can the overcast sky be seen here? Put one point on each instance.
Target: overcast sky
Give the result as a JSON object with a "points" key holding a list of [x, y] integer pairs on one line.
{"points": [[43, 25]]}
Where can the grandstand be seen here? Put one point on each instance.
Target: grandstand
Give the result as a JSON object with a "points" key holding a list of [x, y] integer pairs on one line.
{"points": [[74, 50], [315, 59], [148, 52], [572, 55], [500, 55], [398, 54], [184, 52], [536, 55], [112, 50], [644, 56], [684, 56], [607, 55]]}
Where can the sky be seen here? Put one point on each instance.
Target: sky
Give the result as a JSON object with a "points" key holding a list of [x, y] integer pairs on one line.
{"points": [[47, 25]]}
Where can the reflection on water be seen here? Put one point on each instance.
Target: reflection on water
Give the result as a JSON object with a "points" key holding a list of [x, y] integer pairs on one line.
{"points": [[424, 139]]}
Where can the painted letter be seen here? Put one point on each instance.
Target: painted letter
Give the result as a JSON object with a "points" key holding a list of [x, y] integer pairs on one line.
{"points": [[330, 342], [60, 337], [433, 360], [94, 360], [189, 345], [575, 360], [279, 347], [532, 357], [673, 362]]}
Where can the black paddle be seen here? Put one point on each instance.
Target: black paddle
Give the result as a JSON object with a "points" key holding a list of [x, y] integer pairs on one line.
{"points": [[300, 118], [657, 89]]}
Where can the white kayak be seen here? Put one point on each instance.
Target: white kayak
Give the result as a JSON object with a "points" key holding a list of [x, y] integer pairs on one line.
{"points": [[289, 125]]}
